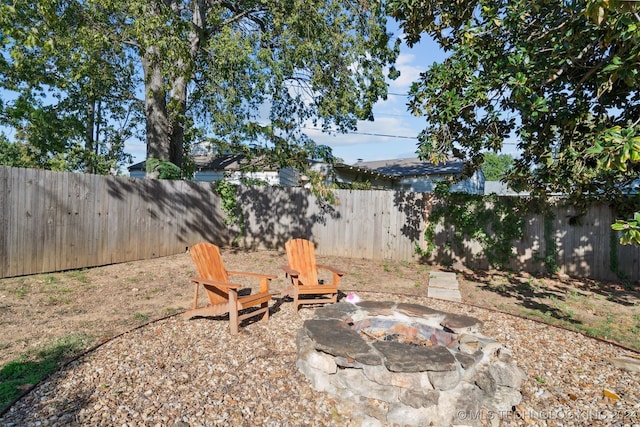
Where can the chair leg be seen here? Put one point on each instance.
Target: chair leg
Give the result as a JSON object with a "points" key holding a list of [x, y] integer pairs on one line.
{"points": [[296, 304], [195, 295], [233, 312], [265, 316]]}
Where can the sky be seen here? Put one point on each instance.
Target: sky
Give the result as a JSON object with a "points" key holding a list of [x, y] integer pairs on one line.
{"points": [[393, 133]]}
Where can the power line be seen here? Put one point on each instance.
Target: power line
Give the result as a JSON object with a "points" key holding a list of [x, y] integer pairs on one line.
{"points": [[383, 135], [369, 134], [392, 115]]}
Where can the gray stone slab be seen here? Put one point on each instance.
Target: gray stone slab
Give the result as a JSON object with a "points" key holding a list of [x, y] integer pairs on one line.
{"points": [[444, 294], [416, 310], [628, 363], [461, 324], [335, 337], [442, 274], [400, 357]]}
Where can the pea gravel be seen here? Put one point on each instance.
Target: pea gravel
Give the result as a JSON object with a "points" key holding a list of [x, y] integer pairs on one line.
{"points": [[194, 373]]}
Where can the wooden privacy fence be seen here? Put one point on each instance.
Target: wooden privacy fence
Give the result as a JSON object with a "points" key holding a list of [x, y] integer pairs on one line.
{"points": [[54, 221]]}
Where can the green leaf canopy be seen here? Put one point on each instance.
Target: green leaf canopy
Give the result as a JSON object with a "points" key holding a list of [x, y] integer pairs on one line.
{"points": [[184, 71], [560, 77]]}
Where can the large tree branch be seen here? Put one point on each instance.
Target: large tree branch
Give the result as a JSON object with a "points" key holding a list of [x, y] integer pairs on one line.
{"points": [[600, 64], [567, 64], [239, 14]]}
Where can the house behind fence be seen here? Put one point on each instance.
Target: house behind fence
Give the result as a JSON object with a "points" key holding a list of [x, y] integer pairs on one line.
{"points": [[54, 221], [410, 174]]}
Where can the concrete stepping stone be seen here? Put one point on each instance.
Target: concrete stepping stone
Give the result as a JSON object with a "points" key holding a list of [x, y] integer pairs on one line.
{"points": [[443, 279], [444, 294], [444, 285]]}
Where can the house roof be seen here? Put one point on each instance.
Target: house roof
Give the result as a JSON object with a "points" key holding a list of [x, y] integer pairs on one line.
{"points": [[412, 167], [357, 169], [393, 168], [229, 162]]}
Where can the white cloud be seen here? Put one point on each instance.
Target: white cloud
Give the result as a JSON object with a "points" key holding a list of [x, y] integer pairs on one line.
{"points": [[137, 149], [383, 138], [409, 72], [382, 130]]}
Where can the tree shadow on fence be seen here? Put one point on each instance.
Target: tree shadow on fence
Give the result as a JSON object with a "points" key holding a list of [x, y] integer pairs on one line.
{"points": [[76, 220], [413, 207], [271, 216], [169, 216]]}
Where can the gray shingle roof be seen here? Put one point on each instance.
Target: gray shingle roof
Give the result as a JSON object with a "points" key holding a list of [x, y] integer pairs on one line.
{"points": [[206, 162], [395, 168], [412, 167]]}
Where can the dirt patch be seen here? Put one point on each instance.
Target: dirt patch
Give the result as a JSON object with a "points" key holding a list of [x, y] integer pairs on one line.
{"points": [[99, 303]]}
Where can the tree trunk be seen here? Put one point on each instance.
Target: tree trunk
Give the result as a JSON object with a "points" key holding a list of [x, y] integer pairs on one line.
{"points": [[178, 97], [178, 93], [98, 121], [165, 123], [89, 143], [155, 108]]}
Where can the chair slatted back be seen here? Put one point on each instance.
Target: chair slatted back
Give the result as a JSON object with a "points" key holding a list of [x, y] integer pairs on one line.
{"points": [[302, 257], [209, 265]]}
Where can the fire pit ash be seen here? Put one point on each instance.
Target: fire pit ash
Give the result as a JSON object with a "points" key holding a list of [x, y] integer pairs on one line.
{"points": [[423, 366]]}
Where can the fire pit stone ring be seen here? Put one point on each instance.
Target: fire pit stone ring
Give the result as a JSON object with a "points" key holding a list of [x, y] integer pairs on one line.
{"points": [[424, 366]]}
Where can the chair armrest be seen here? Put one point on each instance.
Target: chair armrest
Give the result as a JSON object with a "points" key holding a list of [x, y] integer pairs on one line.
{"points": [[331, 269], [290, 271], [222, 285], [265, 279], [247, 274]]}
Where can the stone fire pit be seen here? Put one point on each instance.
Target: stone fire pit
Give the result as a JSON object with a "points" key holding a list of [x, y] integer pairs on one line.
{"points": [[429, 366]]}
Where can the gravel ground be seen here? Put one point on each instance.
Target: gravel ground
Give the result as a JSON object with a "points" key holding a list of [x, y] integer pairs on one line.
{"points": [[193, 373]]}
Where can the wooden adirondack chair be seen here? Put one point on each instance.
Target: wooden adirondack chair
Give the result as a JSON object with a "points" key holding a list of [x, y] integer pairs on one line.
{"points": [[303, 271], [223, 294]]}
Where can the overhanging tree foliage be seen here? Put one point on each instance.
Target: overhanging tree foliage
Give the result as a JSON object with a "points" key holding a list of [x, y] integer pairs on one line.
{"points": [[232, 73], [64, 90], [560, 76], [495, 166]]}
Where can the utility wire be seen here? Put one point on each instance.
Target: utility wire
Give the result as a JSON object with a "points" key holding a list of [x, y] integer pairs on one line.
{"points": [[383, 135], [369, 134]]}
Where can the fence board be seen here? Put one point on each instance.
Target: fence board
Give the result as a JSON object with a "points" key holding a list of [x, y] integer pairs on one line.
{"points": [[17, 236], [39, 215], [49, 218], [4, 219], [375, 228], [101, 222], [69, 248], [14, 235], [52, 221]]}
